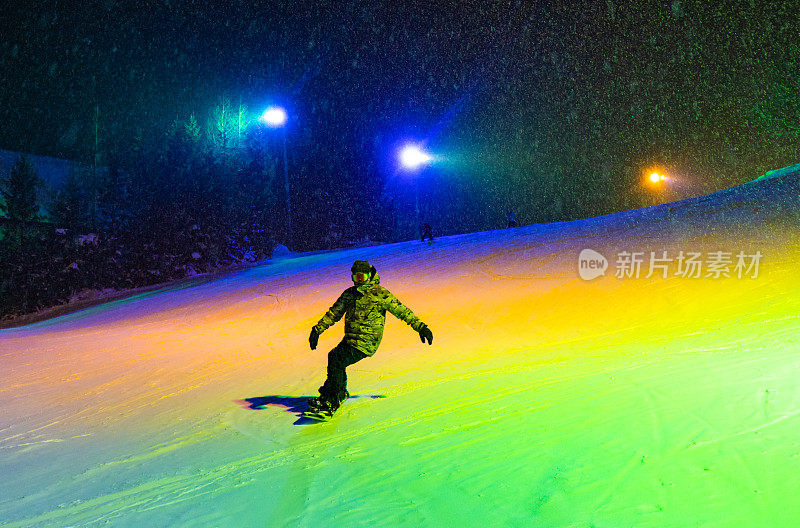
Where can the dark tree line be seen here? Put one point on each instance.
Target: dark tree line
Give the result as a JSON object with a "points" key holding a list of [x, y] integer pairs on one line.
{"points": [[170, 207]]}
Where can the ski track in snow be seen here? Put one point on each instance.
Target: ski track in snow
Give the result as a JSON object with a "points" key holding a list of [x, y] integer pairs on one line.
{"points": [[544, 401]]}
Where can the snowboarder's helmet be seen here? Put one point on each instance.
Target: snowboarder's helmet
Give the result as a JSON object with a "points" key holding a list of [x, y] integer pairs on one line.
{"points": [[362, 271], [361, 266]]}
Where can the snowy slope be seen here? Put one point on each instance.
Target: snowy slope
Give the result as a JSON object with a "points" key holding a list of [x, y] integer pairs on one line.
{"points": [[545, 400]]}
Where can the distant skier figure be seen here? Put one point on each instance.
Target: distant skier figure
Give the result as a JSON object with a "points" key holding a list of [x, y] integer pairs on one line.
{"points": [[427, 232], [364, 306], [512, 219]]}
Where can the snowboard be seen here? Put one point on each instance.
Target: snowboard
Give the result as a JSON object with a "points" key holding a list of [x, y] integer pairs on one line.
{"points": [[320, 416], [323, 416]]}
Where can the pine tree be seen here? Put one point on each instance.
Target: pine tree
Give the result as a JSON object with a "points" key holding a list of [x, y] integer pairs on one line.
{"points": [[241, 123], [18, 191], [116, 202], [192, 129], [222, 126], [70, 206]]}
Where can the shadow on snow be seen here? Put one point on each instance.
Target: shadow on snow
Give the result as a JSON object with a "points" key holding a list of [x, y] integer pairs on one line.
{"points": [[293, 404]]}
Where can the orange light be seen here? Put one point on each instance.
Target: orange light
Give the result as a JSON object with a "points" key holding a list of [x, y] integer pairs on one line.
{"points": [[655, 176]]}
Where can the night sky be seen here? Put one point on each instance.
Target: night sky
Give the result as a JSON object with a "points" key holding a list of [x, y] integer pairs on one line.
{"points": [[554, 109]]}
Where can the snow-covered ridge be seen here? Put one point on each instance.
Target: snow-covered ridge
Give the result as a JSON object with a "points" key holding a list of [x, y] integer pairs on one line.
{"points": [[772, 198], [545, 400], [780, 173]]}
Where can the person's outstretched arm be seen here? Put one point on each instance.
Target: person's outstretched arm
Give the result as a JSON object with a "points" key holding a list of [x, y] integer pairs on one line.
{"points": [[402, 312], [330, 318]]}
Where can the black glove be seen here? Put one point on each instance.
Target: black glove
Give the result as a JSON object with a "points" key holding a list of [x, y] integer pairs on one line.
{"points": [[425, 333], [313, 339]]}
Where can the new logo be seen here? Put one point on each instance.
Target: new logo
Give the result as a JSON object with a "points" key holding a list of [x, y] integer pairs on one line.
{"points": [[591, 264]]}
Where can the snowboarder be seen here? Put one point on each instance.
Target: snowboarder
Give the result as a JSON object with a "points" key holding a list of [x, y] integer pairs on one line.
{"points": [[427, 232], [364, 306], [512, 219]]}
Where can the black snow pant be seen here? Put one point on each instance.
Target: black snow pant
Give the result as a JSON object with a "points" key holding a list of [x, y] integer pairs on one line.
{"points": [[342, 356]]}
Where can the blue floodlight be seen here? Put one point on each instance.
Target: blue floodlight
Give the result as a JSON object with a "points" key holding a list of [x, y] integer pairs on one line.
{"points": [[412, 157], [274, 116]]}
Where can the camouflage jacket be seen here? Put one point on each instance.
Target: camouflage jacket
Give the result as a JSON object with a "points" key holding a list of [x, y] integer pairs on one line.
{"points": [[364, 308]]}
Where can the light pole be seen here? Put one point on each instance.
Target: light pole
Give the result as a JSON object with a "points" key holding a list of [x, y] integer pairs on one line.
{"points": [[275, 117], [412, 158]]}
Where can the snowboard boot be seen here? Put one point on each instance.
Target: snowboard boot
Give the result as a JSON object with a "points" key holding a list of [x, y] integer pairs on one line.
{"points": [[317, 404], [326, 404], [335, 403]]}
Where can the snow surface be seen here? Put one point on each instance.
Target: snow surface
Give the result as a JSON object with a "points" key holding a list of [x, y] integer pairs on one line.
{"points": [[545, 400]]}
